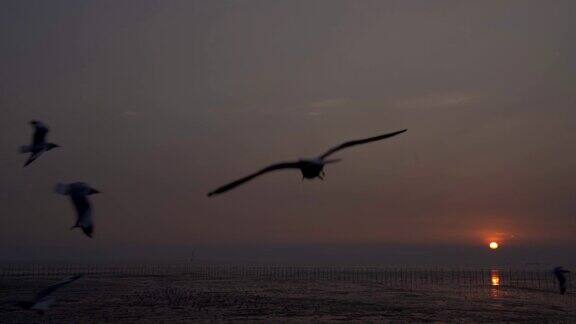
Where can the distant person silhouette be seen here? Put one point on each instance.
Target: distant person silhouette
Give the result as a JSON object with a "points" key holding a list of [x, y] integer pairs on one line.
{"points": [[42, 301], [78, 193], [310, 168], [559, 273], [39, 144]]}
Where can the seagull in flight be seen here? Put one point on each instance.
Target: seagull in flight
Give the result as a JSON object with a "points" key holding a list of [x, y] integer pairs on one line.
{"points": [[310, 168], [43, 301], [39, 144], [559, 273], [78, 193]]}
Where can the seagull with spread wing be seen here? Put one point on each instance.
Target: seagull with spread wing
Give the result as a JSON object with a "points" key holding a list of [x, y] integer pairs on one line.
{"points": [[39, 144], [310, 168], [78, 193], [43, 301]]}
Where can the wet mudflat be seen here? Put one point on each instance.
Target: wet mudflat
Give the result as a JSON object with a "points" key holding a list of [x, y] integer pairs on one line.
{"points": [[181, 298]]}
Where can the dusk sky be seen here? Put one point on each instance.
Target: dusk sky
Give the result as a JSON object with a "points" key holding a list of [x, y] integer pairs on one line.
{"points": [[155, 103]]}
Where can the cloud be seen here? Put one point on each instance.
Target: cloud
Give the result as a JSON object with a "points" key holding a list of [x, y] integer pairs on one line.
{"points": [[130, 113], [328, 103], [438, 100], [318, 106]]}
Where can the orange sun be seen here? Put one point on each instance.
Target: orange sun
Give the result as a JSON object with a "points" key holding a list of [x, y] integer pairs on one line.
{"points": [[493, 245]]}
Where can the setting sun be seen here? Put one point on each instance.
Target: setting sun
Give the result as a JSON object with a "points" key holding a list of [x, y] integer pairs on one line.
{"points": [[493, 245]]}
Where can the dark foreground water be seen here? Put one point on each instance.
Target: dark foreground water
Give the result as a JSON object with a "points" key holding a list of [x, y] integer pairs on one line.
{"points": [[184, 293]]}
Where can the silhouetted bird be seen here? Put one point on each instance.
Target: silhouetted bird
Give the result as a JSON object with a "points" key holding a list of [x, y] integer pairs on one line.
{"points": [[310, 168], [559, 273], [42, 302], [78, 193], [39, 144]]}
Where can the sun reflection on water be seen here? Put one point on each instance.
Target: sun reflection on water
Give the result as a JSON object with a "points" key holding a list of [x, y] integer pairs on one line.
{"points": [[494, 278], [494, 284]]}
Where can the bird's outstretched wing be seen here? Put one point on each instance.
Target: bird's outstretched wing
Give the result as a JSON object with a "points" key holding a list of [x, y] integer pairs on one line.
{"points": [[273, 167], [358, 142], [40, 132], [50, 289], [31, 158]]}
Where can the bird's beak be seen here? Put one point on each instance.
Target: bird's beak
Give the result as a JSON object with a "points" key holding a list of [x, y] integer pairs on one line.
{"points": [[94, 191]]}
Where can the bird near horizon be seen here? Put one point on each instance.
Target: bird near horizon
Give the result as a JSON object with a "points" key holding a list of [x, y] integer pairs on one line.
{"points": [[39, 144], [78, 193], [560, 272], [43, 301], [310, 168]]}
